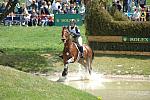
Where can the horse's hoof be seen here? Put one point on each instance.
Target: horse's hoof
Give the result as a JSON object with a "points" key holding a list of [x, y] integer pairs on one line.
{"points": [[65, 72], [62, 79]]}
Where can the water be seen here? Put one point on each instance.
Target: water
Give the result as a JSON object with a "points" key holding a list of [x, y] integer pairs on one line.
{"points": [[109, 88]]}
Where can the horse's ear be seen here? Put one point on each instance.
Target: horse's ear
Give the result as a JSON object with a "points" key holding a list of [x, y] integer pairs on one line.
{"points": [[63, 27]]}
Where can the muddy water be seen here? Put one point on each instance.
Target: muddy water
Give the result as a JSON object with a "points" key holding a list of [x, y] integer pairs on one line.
{"points": [[109, 88]]}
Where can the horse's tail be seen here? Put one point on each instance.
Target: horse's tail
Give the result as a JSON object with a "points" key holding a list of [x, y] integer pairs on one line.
{"points": [[90, 50], [93, 54]]}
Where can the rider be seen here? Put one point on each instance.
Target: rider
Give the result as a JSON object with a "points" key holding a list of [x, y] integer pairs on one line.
{"points": [[75, 32]]}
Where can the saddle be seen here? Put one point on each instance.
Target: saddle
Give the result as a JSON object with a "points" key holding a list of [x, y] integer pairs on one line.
{"points": [[79, 49]]}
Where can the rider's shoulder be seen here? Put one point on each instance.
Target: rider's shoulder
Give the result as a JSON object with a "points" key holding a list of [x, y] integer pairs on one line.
{"points": [[76, 27]]}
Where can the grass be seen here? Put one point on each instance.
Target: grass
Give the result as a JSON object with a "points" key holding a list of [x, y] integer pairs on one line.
{"points": [[122, 64], [24, 46], [31, 39], [33, 49], [16, 85]]}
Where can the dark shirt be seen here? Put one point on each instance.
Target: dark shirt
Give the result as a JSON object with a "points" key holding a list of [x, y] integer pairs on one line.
{"points": [[44, 10]]}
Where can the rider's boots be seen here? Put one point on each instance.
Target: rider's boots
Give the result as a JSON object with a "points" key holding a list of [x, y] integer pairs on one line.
{"points": [[81, 51]]}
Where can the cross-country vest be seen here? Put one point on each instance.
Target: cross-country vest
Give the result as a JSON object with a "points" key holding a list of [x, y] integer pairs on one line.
{"points": [[75, 31]]}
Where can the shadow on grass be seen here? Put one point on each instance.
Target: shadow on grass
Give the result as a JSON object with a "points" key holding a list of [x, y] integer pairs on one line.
{"points": [[29, 61], [28, 50]]}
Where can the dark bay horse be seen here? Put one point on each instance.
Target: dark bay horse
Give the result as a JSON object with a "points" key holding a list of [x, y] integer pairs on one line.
{"points": [[71, 53]]}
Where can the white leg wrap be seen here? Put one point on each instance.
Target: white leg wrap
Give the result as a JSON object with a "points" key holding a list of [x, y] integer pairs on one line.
{"points": [[66, 66], [70, 60]]}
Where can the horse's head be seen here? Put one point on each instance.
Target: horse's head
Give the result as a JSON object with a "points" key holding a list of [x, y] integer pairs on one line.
{"points": [[65, 34]]}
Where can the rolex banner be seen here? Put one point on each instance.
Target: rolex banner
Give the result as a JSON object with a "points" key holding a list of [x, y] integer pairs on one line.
{"points": [[64, 19], [135, 39]]}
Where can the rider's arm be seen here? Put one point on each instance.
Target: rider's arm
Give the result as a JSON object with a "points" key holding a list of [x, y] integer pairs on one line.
{"points": [[77, 33]]}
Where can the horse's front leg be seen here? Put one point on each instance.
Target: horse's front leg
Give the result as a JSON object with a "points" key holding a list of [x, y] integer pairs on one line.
{"points": [[70, 60], [65, 72]]}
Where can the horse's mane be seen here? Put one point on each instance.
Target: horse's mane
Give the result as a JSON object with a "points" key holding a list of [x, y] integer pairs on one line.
{"points": [[65, 27]]}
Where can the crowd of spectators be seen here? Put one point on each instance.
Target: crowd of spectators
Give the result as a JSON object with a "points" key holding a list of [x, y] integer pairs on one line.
{"points": [[136, 11], [41, 12]]}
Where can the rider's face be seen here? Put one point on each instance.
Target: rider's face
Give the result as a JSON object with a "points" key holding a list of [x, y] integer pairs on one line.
{"points": [[72, 24]]}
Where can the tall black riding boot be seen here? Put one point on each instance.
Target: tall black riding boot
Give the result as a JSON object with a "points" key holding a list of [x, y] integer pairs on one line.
{"points": [[81, 51]]}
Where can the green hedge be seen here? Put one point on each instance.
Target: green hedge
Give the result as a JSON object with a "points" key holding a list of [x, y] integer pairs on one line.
{"points": [[100, 22], [116, 14]]}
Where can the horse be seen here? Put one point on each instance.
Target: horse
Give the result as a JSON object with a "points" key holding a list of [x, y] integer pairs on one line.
{"points": [[71, 53]]}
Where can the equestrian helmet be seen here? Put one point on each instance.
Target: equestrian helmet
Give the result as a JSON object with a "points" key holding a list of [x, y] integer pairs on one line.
{"points": [[72, 22]]}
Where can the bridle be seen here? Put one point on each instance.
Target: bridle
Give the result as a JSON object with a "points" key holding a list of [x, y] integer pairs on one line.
{"points": [[65, 35]]}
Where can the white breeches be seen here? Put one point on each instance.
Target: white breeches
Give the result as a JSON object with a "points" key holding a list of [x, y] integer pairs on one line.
{"points": [[79, 40]]}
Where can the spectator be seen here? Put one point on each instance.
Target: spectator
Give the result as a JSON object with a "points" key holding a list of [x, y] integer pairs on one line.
{"points": [[44, 20], [55, 6], [125, 5], [43, 14], [68, 9], [133, 7], [72, 9], [51, 1], [82, 11], [3, 7], [65, 8], [50, 7], [78, 1], [148, 14], [64, 1], [76, 7], [39, 3], [28, 4], [17, 9], [72, 1], [118, 5], [142, 3], [136, 15], [143, 15], [44, 9], [9, 19], [20, 10], [34, 18], [34, 5], [60, 10], [26, 15]]}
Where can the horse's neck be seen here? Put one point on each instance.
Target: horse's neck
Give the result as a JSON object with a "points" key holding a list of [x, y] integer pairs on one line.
{"points": [[68, 43]]}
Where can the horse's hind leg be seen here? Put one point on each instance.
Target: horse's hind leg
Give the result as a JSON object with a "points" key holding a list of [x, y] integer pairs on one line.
{"points": [[89, 65]]}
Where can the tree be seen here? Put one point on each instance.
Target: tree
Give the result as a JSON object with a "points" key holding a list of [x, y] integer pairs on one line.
{"points": [[8, 9]]}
